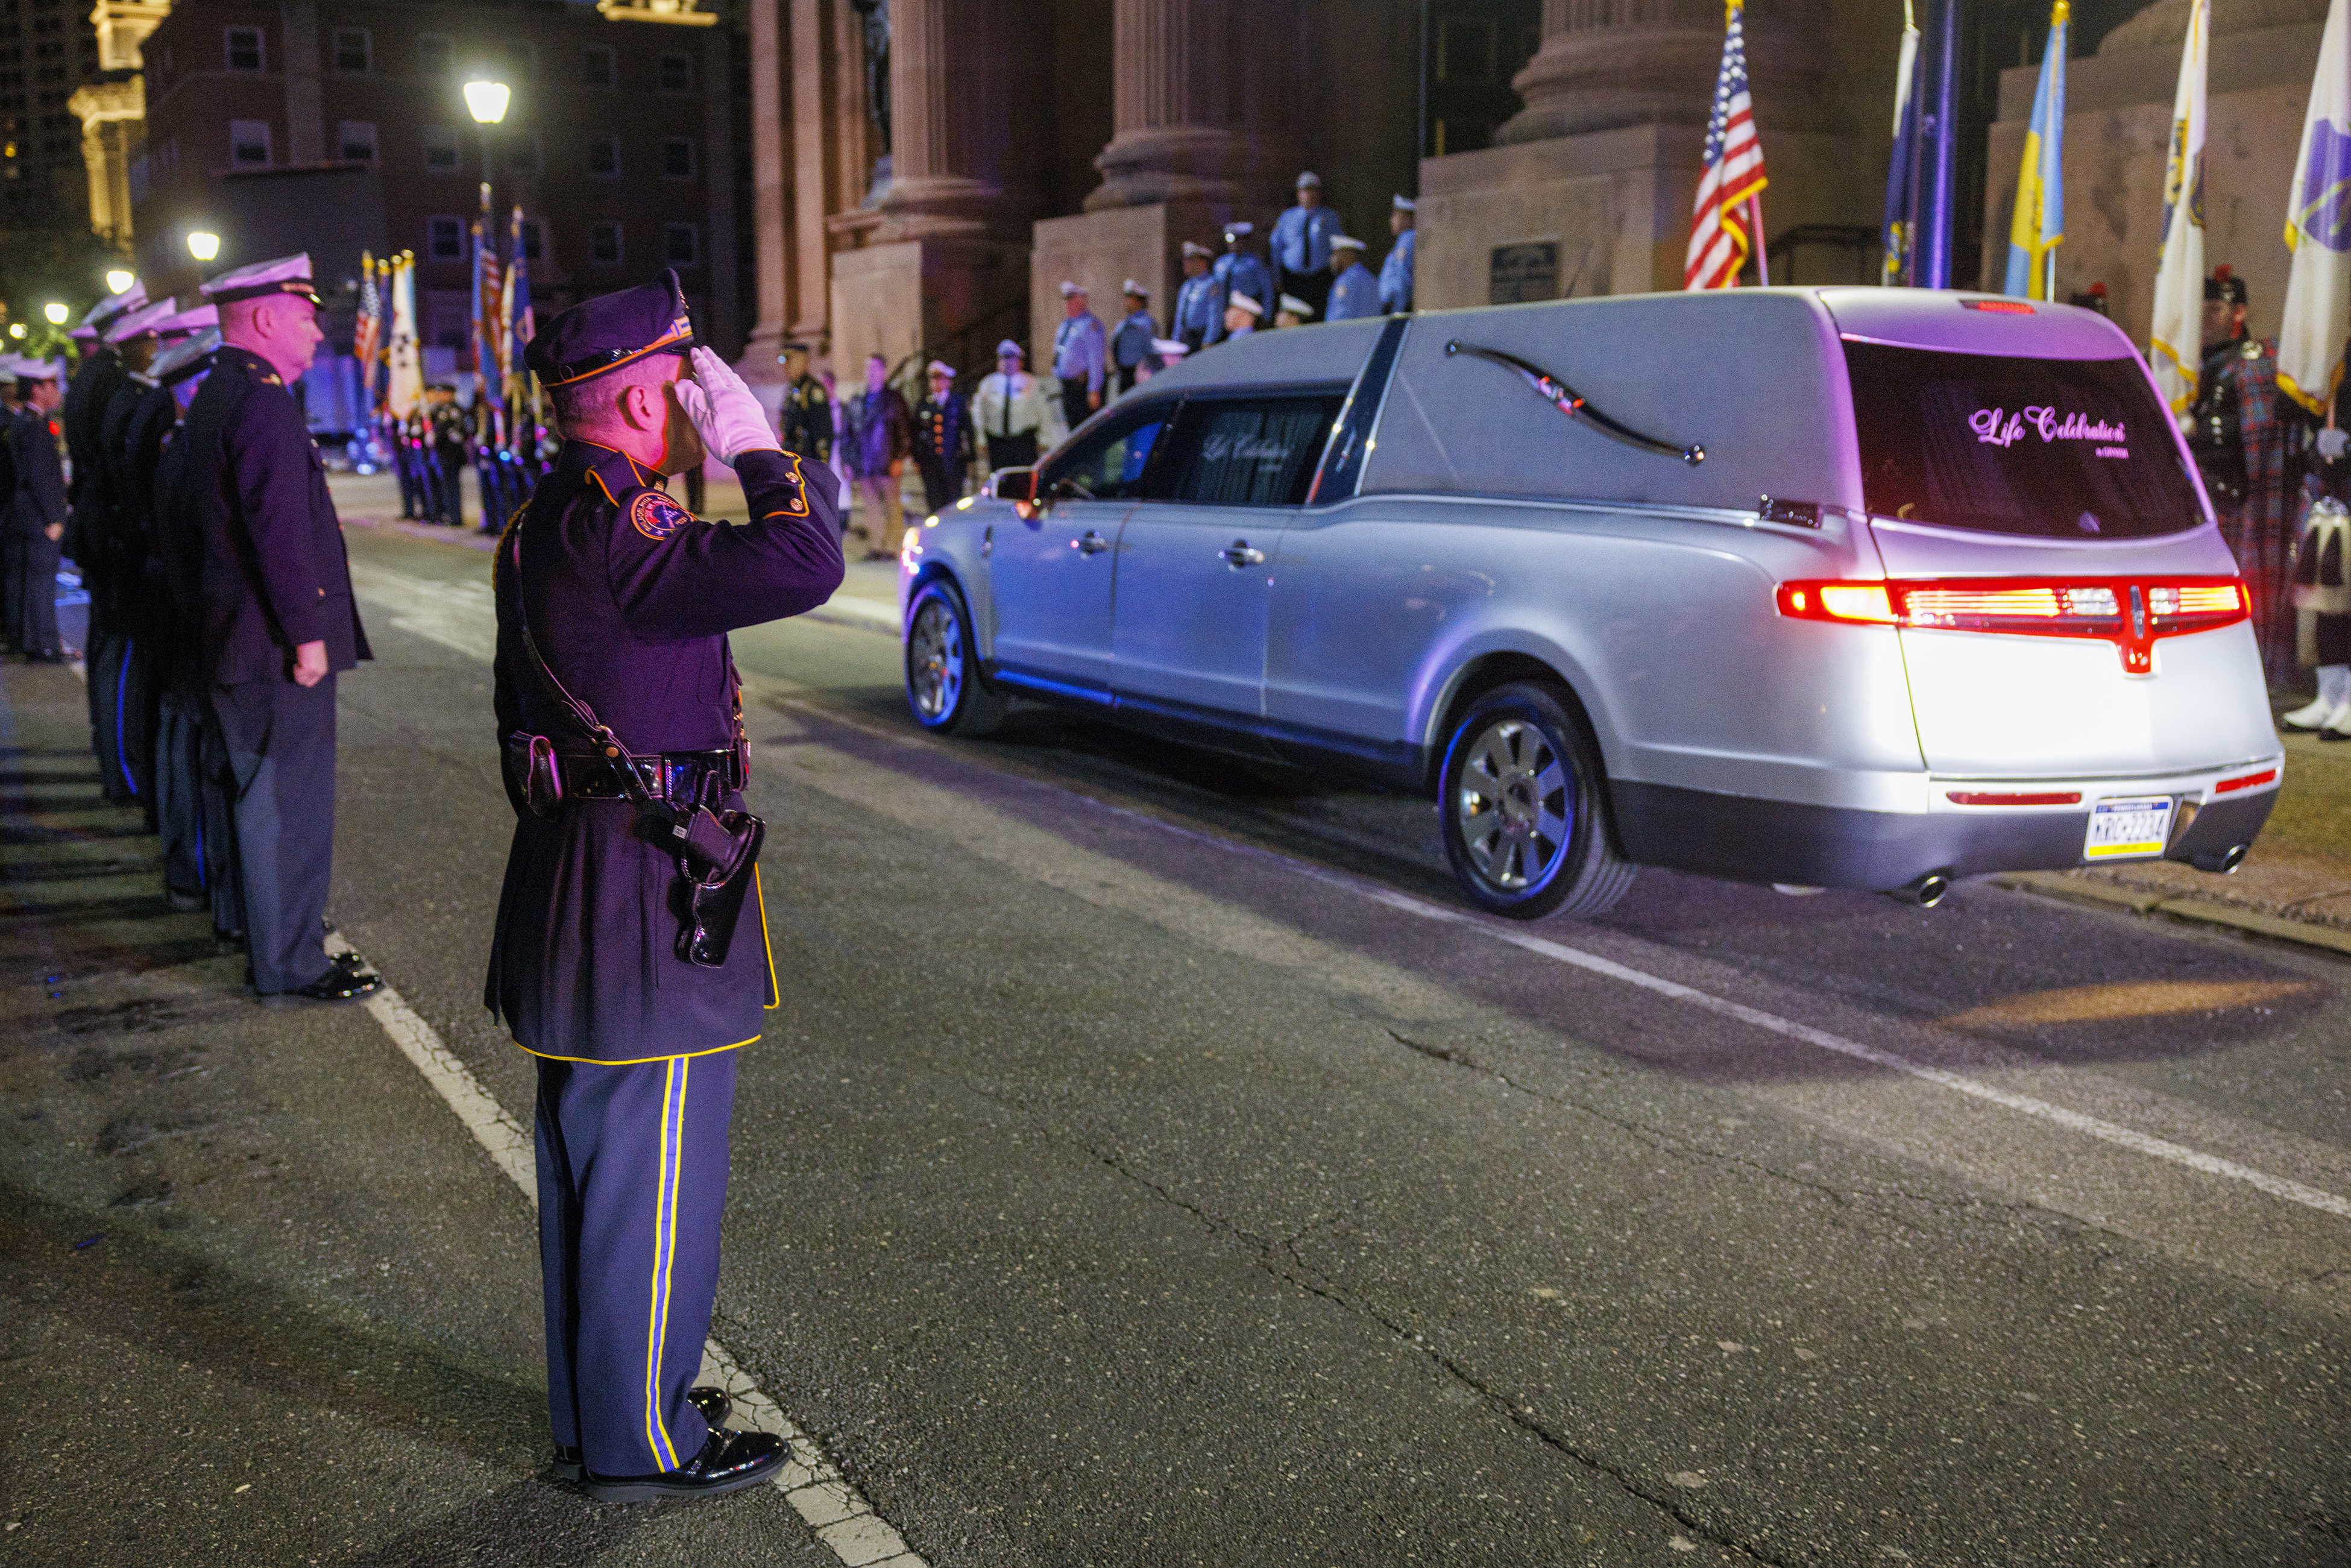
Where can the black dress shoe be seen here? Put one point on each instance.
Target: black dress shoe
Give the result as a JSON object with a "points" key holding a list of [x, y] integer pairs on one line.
{"points": [[712, 1402], [336, 986], [185, 902], [730, 1461]]}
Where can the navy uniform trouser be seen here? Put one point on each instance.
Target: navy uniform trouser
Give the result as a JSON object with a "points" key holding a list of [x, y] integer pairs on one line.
{"points": [[631, 1178], [281, 764], [120, 669], [178, 789], [37, 595], [12, 579], [217, 781]]}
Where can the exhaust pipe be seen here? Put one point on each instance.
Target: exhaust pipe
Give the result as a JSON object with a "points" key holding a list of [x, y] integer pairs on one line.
{"points": [[1925, 892], [2221, 862]]}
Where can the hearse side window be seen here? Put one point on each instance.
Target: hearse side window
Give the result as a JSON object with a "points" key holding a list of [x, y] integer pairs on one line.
{"points": [[1257, 452], [1113, 463], [2069, 449]]}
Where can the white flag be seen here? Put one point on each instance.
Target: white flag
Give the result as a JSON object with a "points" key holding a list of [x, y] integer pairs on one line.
{"points": [[406, 388], [2176, 338], [2318, 229]]}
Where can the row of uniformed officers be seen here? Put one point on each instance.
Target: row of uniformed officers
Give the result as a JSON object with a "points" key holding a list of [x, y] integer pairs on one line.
{"points": [[220, 603]]}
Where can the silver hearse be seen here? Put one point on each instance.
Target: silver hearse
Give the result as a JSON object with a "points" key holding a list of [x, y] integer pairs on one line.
{"points": [[1858, 588]]}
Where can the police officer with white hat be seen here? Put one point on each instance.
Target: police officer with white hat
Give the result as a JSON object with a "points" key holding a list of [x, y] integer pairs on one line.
{"points": [[1239, 271], [1130, 344], [1200, 304], [36, 513], [1395, 272]]}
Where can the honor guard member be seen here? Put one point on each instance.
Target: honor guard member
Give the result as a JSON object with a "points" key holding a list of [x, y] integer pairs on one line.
{"points": [[1198, 304], [1239, 271], [189, 338], [806, 421], [83, 417], [942, 444], [1354, 292], [118, 535], [1130, 344], [1301, 244], [619, 961], [1395, 272], [2239, 443], [1012, 412], [38, 512], [1292, 312], [1241, 315], [277, 621], [449, 426], [1080, 356], [12, 547]]}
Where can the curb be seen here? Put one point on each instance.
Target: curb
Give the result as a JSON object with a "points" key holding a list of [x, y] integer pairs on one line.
{"points": [[2197, 911]]}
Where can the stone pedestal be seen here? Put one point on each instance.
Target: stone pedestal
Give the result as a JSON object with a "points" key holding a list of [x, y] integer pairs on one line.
{"points": [[947, 297]]}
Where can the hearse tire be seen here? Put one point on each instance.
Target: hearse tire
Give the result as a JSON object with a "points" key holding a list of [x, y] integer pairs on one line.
{"points": [[944, 688], [1523, 801]]}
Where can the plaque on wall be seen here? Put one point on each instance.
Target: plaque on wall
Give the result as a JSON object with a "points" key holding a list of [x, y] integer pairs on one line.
{"points": [[1523, 272]]}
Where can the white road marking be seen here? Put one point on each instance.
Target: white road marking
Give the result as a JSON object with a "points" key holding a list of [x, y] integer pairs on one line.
{"points": [[880, 612], [1820, 1039], [825, 1500]]}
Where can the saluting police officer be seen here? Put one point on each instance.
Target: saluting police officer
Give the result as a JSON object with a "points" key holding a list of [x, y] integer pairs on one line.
{"points": [[619, 711], [277, 620]]}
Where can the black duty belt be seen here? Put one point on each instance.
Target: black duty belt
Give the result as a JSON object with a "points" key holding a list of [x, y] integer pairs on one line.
{"points": [[672, 776]]}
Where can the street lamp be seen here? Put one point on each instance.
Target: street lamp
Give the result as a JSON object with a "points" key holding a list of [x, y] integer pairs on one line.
{"points": [[117, 280], [204, 246], [16, 328], [486, 101], [56, 311]]}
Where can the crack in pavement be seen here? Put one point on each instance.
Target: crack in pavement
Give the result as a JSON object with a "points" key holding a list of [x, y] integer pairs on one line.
{"points": [[1319, 1286]]}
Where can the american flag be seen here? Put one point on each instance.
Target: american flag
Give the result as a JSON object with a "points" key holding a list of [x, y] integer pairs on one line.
{"points": [[369, 339], [1720, 242]]}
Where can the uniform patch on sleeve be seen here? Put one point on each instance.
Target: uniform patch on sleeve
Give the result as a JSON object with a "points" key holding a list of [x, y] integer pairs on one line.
{"points": [[656, 516]]}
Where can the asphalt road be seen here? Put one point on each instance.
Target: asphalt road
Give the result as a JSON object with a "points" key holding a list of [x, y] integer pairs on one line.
{"points": [[1158, 1164]]}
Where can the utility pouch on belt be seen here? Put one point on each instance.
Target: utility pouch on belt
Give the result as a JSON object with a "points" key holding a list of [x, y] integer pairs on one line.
{"points": [[717, 852], [533, 771]]}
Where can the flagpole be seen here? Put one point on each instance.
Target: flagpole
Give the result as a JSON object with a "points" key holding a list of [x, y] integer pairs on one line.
{"points": [[1762, 249]]}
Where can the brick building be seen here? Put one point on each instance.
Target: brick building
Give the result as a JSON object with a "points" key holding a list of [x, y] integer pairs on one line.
{"points": [[336, 125]]}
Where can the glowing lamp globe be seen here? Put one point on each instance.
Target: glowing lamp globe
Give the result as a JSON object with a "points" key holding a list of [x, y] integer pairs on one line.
{"points": [[486, 101], [56, 312], [117, 280], [204, 246]]}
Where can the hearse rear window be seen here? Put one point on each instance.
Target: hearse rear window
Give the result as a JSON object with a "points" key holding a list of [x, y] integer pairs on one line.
{"points": [[1258, 452], [2068, 449]]}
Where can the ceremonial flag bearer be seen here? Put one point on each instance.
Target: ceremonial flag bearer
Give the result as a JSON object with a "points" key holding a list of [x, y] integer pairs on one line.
{"points": [[618, 959]]}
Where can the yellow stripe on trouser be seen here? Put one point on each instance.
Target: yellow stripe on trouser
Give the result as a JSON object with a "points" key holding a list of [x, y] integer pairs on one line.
{"points": [[665, 1254]]}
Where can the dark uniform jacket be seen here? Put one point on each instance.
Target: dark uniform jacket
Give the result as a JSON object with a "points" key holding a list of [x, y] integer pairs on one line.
{"points": [[273, 574], [806, 426], [40, 499], [943, 440], [82, 414], [629, 599]]}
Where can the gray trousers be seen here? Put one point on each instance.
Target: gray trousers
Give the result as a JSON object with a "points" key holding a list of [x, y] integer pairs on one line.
{"points": [[12, 580], [281, 763], [37, 595]]}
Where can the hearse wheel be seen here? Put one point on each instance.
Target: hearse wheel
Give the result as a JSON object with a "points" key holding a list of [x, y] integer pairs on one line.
{"points": [[1524, 804], [943, 685]]}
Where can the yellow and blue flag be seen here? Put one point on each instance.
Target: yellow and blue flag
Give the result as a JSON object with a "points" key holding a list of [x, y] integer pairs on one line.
{"points": [[2038, 224]]}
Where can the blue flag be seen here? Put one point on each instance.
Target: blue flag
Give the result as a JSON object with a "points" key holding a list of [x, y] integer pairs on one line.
{"points": [[2037, 226]]}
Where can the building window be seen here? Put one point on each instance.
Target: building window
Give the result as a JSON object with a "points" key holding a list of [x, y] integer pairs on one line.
{"points": [[604, 244], [249, 143], [353, 53], [446, 239], [433, 55], [355, 141], [440, 149], [243, 49], [532, 239], [599, 67], [677, 73], [677, 158], [681, 245], [604, 157]]}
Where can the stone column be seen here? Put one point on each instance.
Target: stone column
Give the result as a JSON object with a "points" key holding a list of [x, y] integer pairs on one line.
{"points": [[770, 224], [1181, 76], [814, 156], [1609, 63]]}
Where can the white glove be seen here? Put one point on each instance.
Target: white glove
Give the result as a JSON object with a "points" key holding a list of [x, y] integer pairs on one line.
{"points": [[2332, 443], [724, 411]]}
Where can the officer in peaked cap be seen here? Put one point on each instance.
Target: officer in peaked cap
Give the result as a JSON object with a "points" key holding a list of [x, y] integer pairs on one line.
{"points": [[1301, 241], [1354, 292], [89, 507], [38, 512], [276, 622], [1239, 271], [617, 961], [1395, 272], [1198, 305], [115, 535], [1131, 339]]}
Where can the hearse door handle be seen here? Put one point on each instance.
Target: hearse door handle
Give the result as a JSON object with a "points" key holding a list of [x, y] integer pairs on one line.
{"points": [[1237, 555], [1091, 542]]}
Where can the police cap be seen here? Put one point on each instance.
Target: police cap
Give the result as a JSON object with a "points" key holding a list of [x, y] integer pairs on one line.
{"points": [[285, 275], [611, 330], [2225, 285]]}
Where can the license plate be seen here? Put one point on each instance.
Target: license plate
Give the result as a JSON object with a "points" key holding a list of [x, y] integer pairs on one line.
{"points": [[2119, 829]]}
